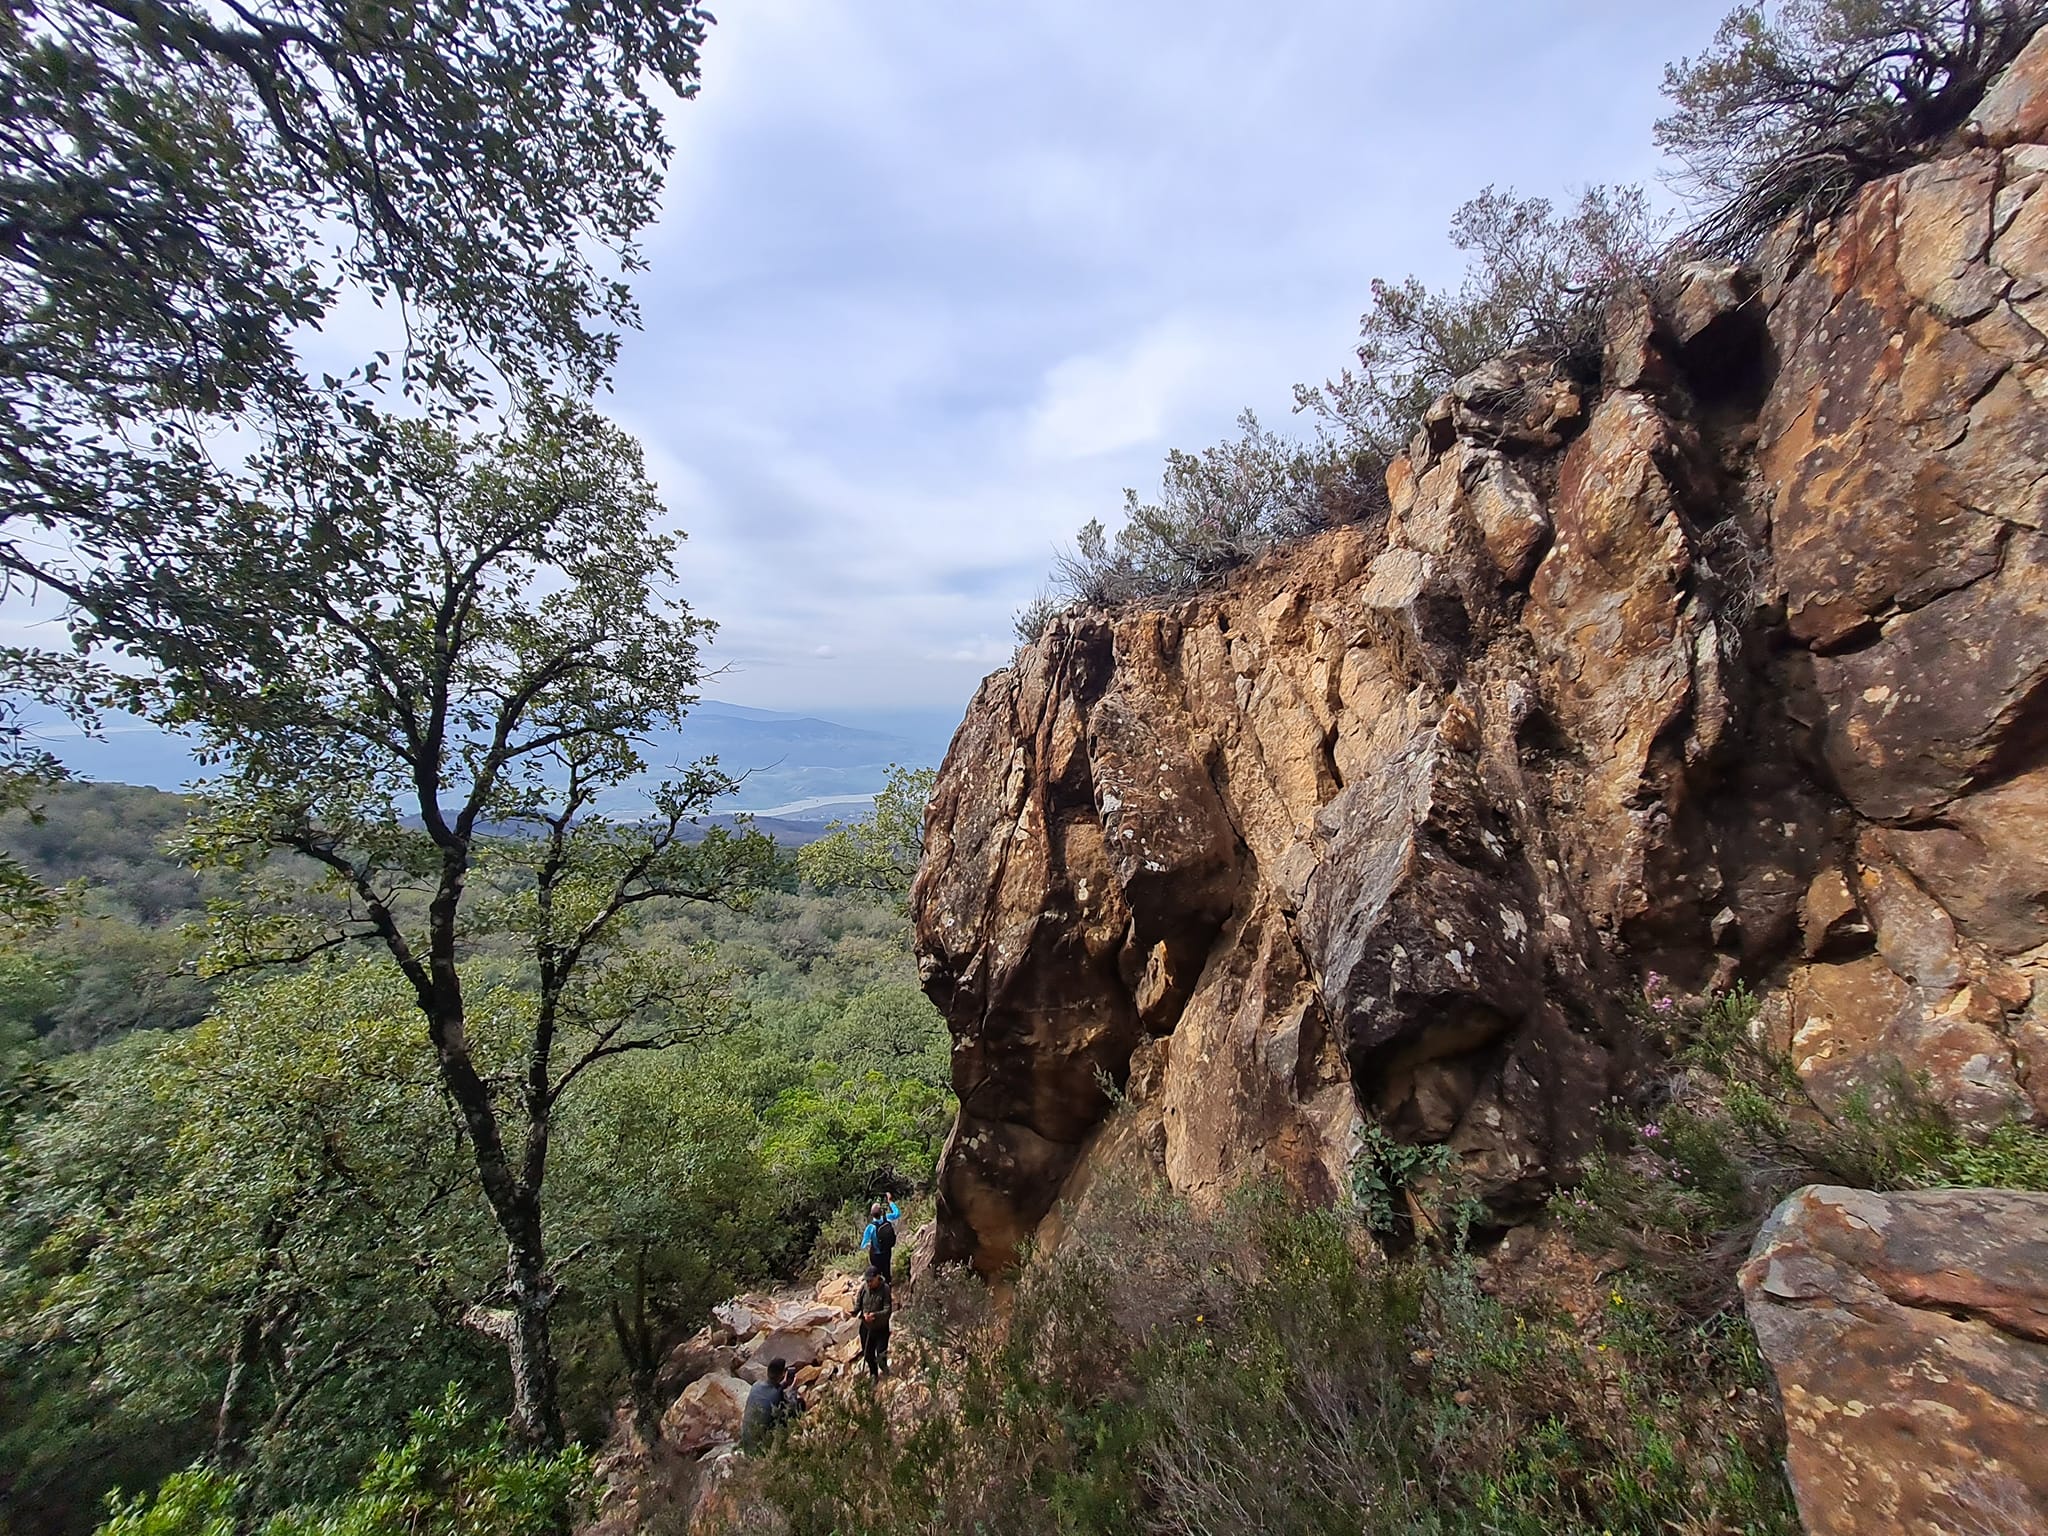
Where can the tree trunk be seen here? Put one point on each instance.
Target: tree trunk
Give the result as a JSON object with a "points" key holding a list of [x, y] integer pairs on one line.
{"points": [[231, 1420], [643, 1367], [536, 1405], [646, 1406], [515, 1203]]}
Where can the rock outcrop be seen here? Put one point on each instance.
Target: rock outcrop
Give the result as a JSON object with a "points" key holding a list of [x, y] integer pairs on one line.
{"points": [[1909, 1334], [1731, 665], [1903, 452]]}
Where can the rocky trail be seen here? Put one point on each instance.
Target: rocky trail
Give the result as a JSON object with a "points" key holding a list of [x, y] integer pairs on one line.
{"points": [[705, 1380]]}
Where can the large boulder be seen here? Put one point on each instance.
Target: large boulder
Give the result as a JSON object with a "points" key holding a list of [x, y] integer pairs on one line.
{"points": [[799, 1331], [1909, 1336], [1520, 402], [706, 1413]]}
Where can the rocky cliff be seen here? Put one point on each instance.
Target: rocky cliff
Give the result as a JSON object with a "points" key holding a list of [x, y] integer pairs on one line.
{"points": [[1733, 666]]}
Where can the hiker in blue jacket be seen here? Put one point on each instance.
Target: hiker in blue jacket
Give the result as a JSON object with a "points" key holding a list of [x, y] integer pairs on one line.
{"points": [[880, 1239]]}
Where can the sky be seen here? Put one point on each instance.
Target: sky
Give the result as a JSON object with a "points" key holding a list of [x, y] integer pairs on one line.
{"points": [[935, 281]]}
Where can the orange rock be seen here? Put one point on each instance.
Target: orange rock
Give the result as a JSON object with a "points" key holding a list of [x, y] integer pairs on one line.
{"points": [[1389, 826], [1909, 1335], [2015, 109], [1829, 914], [707, 1413]]}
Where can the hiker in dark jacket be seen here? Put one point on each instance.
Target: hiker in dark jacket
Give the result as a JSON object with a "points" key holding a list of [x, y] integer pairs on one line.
{"points": [[876, 1303], [769, 1404], [880, 1238]]}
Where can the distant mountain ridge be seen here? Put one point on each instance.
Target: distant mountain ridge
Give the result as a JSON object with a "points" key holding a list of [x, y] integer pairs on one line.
{"points": [[788, 762], [802, 769]]}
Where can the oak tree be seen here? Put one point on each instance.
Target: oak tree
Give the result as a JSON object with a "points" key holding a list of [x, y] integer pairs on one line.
{"points": [[429, 675], [189, 192], [880, 851]]}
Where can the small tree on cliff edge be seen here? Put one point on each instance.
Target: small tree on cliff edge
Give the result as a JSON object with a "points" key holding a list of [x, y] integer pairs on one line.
{"points": [[429, 666], [1796, 105]]}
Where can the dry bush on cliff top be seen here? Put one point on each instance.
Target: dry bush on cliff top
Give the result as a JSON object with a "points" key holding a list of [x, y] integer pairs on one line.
{"points": [[1265, 1369], [1787, 112], [1794, 106], [1537, 281], [1216, 510]]}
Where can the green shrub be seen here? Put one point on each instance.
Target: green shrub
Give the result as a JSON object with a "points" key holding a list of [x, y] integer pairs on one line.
{"points": [[880, 852], [1683, 1186], [278, 1185], [1537, 281], [1382, 1173], [892, 1030], [841, 1139], [1267, 1369], [191, 1503], [1216, 510], [454, 1475]]}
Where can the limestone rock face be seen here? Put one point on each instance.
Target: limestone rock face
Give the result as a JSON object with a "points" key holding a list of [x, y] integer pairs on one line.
{"points": [[1909, 1334], [1738, 668]]}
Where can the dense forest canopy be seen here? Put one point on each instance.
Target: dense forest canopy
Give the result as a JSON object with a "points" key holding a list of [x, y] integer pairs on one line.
{"points": [[293, 1162]]}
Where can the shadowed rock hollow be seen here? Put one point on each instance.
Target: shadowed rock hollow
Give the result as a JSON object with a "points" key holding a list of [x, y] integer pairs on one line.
{"points": [[1735, 665]]}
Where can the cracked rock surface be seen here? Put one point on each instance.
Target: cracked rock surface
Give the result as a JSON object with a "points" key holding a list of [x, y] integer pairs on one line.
{"points": [[1909, 1335], [1734, 664]]}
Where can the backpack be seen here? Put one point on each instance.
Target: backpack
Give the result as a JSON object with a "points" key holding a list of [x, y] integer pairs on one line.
{"points": [[883, 1244]]}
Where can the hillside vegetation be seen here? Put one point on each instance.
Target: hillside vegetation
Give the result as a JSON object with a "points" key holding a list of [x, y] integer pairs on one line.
{"points": [[235, 1225]]}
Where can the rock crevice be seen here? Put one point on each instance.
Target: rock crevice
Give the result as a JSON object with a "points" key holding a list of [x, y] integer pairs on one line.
{"points": [[1734, 665]]}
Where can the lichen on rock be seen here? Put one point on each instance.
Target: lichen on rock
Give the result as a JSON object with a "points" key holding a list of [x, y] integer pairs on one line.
{"points": [[1734, 665], [1909, 1334]]}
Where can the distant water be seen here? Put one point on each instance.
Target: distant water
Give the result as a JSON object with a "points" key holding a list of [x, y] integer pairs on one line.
{"points": [[793, 766]]}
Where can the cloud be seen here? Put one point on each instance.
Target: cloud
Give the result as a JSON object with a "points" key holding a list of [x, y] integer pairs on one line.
{"points": [[1096, 404], [934, 282]]}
